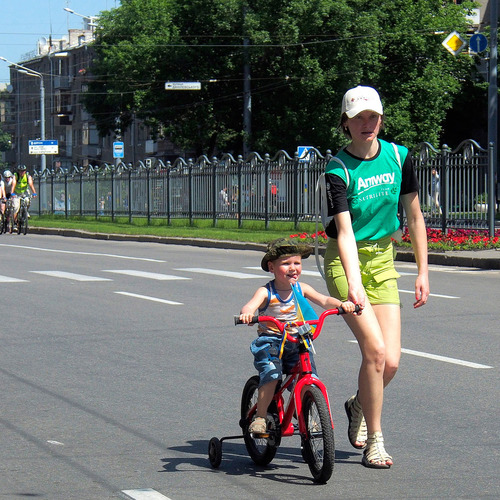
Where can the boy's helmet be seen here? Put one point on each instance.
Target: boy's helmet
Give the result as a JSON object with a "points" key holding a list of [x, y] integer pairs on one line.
{"points": [[7, 174]]}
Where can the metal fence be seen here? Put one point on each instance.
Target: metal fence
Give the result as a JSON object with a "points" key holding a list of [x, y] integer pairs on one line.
{"points": [[453, 185]]}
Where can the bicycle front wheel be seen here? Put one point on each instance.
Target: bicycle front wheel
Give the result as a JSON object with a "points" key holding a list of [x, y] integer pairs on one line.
{"points": [[261, 450], [318, 446], [25, 222]]}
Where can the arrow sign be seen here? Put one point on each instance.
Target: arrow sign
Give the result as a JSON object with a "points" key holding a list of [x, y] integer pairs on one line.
{"points": [[478, 43]]}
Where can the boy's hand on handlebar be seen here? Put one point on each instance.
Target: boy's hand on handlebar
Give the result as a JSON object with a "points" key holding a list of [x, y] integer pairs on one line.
{"points": [[350, 307], [246, 318]]}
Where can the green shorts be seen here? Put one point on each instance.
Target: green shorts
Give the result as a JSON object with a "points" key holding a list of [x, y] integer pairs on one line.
{"points": [[378, 275]]}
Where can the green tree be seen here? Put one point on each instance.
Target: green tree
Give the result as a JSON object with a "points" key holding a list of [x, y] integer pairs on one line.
{"points": [[5, 141], [303, 54]]}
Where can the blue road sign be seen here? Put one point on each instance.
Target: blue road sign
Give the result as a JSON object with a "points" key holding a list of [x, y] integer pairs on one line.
{"points": [[304, 153], [478, 43], [118, 150], [39, 147]]}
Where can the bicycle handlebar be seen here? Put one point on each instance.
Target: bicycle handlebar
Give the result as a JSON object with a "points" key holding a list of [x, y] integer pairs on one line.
{"points": [[318, 323]]}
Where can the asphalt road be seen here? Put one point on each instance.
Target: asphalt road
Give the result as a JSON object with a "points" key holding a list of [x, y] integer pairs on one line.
{"points": [[119, 361]]}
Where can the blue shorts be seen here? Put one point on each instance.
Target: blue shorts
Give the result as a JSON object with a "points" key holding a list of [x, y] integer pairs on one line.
{"points": [[266, 350]]}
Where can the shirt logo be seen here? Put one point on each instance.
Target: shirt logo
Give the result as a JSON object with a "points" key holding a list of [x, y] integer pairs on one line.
{"points": [[376, 180]]}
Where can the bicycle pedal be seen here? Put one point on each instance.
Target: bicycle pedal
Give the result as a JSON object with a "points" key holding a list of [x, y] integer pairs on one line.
{"points": [[259, 435]]}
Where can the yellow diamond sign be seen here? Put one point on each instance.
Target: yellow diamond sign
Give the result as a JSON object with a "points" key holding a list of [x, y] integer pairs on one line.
{"points": [[454, 43]]}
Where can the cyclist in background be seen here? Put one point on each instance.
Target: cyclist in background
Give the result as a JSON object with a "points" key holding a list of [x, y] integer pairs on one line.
{"points": [[22, 183], [2, 195], [8, 183]]}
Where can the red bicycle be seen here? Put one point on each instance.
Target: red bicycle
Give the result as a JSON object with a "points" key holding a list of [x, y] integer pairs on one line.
{"points": [[300, 406]]}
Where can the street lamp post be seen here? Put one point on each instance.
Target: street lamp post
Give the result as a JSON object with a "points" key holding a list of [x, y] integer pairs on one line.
{"points": [[31, 72], [91, 20]]}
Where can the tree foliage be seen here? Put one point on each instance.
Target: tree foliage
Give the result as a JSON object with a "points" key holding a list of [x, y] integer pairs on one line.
{"points": [[303, 55]]}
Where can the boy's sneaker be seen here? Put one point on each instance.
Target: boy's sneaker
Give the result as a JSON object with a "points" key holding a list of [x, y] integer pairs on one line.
{"points": [[258, 426]]}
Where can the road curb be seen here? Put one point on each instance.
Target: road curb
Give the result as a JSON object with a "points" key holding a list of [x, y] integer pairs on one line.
{"points": [[483, 259]]}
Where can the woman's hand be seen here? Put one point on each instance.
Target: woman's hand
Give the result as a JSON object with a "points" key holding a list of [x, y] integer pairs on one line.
{"points": [[421, 290]]}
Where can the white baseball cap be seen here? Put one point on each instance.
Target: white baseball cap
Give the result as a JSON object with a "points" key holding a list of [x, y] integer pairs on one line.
{"points": [[361, 99]]}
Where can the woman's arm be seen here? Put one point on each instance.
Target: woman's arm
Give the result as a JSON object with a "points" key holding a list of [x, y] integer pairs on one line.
{"points": [[418, 235], [325, 301]]}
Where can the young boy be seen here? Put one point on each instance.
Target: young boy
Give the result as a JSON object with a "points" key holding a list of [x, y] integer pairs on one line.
{"points": [[284, 259]]}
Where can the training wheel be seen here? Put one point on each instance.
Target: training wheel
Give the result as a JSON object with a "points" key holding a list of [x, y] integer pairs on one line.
{"points": [[215, 452]]}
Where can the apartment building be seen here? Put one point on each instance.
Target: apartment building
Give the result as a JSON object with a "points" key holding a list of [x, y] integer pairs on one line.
{"points": [[63, 66]]}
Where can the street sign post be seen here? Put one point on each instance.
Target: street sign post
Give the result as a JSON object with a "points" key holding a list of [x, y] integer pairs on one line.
{"points": [[182, 85], [43, 147]]}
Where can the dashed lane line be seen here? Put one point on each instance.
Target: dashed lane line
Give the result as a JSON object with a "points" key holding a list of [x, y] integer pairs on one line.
{"points": [[215, 272], [8, 279], [145, 274], [431, 294], [152, 299], [437, 357], [72, 252], [70, 276], [144, 494]]}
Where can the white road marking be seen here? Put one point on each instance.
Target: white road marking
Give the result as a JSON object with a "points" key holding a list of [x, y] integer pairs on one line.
{"points": [[96, 254], [7, 279], [305, 272], [145, 274], [432, 294], [70, 276], [144, 494], [57, 443], [437, 357], [215, 272], [153, 299], [452, 269]]}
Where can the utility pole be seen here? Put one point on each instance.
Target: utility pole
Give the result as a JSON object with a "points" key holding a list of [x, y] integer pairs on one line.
{"points": [[493, 113], [247, 95]]}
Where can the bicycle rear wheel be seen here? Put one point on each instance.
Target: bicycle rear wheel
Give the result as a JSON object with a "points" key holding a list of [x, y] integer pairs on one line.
{"points": [[318, 446], [261, 450]]}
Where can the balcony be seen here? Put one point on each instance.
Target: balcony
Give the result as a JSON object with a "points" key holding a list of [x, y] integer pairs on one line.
{"points": [[62, 82]]}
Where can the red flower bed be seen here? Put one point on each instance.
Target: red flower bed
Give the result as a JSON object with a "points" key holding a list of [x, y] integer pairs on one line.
{"points": [[457, 239], [453, 239]]}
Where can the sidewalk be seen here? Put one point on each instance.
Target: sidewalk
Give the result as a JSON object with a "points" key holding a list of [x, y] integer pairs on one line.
{"points": [[484, 259]]}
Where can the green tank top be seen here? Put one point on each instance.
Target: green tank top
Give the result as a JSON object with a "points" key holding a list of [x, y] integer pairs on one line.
{"points": [[373, 188], [22, 183]]}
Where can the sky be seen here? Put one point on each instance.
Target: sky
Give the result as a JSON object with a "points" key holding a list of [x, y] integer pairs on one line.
{"points": [[24, 22]]}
